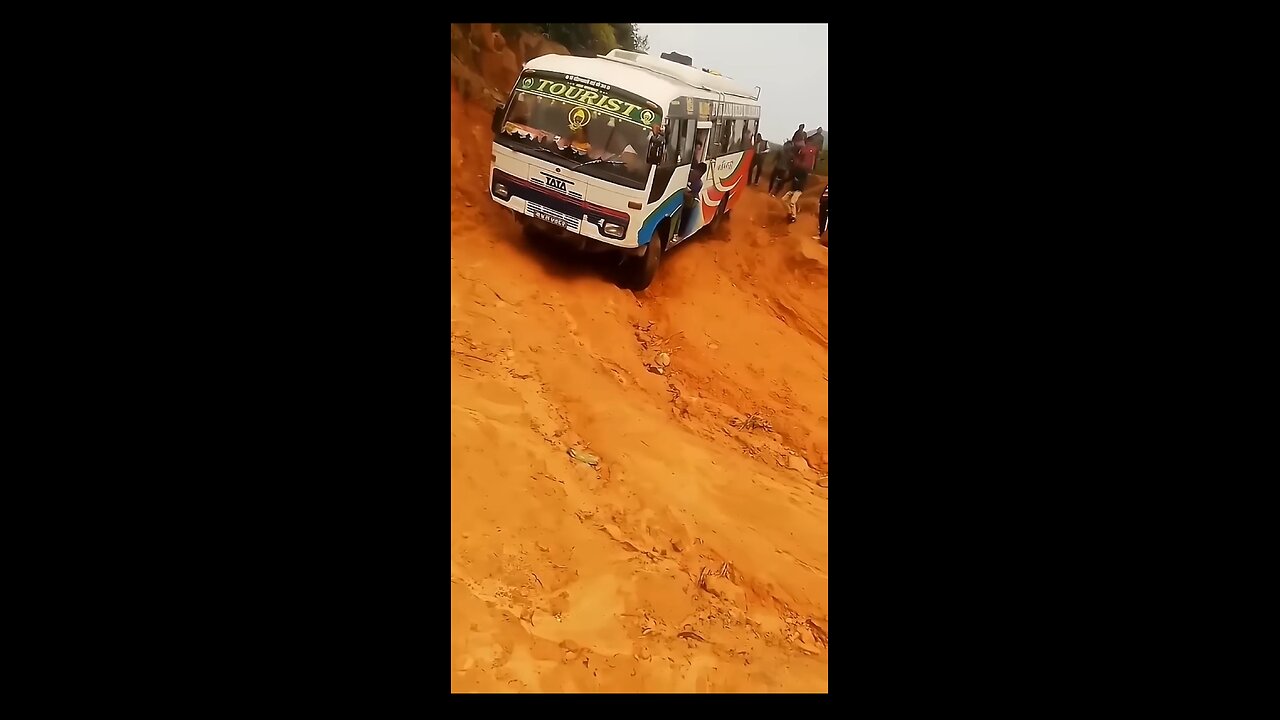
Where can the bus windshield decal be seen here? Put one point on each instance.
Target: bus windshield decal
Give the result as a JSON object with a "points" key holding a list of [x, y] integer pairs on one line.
{"points": [[597, 98]]}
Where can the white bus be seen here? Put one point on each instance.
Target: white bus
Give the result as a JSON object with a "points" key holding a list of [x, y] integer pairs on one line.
{"points": [[599, 151]]}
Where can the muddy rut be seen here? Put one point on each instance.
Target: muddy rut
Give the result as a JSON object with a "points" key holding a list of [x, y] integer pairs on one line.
{"points": [[638, 480]]}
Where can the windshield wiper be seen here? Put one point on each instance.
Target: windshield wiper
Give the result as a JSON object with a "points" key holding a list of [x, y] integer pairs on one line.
{"points": [[529, 142], [560, 153], [598, 160], [546, 149]]}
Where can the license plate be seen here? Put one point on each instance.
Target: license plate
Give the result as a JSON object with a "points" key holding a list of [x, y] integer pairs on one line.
{"points": [[545, 217]]}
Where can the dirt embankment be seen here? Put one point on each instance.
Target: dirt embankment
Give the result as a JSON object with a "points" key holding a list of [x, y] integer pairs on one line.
{"points": [[615, 529], [484, 64]]}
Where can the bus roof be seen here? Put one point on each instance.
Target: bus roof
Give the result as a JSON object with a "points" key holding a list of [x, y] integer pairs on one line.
{"points": [[661, 81]]}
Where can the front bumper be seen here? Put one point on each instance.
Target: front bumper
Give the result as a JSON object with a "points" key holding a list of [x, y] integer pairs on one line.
{"points": [[574, 215]]}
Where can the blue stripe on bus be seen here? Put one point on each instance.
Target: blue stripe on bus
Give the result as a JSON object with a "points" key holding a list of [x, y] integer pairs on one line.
{"points": [[664, 209]]}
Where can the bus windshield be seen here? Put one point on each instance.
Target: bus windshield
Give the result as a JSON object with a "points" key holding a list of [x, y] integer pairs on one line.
{"points": [[581, 124]]}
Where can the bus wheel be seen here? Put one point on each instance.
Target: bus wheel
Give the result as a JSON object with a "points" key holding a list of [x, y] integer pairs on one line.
{"points": [[642, 269]]}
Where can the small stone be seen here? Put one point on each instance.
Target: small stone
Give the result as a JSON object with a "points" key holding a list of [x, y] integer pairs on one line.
{"points": [[797, 463], [677, 545], [644, 653], [724, 589], [583, 456], [663, 359]]}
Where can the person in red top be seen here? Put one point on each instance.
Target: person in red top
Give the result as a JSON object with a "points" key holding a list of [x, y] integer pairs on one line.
{"points": [[806, 156]]}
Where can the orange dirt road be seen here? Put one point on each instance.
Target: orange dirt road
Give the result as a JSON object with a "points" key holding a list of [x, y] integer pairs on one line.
{"points": [[682, 546]]}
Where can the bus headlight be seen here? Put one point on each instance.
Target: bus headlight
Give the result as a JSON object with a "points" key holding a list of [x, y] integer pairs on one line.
{"points": [[613, 230], [501, 190]]}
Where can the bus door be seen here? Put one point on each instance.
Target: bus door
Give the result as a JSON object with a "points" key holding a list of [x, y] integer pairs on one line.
{"points": [[702, 140]]}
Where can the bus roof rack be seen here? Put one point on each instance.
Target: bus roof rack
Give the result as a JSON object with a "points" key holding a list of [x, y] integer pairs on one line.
{"points": [[676, 57], [684, 73]]}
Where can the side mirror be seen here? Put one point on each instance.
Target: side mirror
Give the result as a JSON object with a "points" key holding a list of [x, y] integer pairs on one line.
{"points": [[498, 113]]}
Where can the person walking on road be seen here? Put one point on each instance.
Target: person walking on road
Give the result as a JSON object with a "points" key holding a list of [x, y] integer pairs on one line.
{"points": [[782, 168], [796, 185], [757, 163], [793, 196], [822, 217], [806, 155], [692, 201], [798, 136]]}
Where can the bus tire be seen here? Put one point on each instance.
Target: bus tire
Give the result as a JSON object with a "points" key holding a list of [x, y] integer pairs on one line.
{"points": [[643, 268]]}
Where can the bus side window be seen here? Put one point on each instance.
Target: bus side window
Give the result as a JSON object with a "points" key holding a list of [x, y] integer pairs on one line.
{"points": [[734, 136], [719, 135]]}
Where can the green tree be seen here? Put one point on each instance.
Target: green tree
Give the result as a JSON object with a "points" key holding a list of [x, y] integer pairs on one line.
{"points": [[629, 37], [603, 38], [575, 36]]}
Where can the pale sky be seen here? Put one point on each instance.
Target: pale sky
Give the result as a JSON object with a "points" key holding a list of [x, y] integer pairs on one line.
{"points": [[787, 61]]}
